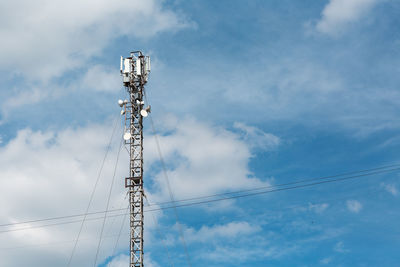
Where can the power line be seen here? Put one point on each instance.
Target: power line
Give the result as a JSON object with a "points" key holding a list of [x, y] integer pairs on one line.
{"points": [[120, 208], [159, 233], [92, 194], [222, 199], [204, 197], [120, 230], [274, 190], [52, 243], [125, 214], [108, 203], [277, 185]]}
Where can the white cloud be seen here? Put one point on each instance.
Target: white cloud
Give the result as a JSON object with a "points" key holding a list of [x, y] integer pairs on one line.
{"points": [[97, 78], [44, 38], [338, 13], [28, 96], [101, 78], [46, 174], [391, 188], [51, 173], [257, 138], [202, 160], [354, 206]]}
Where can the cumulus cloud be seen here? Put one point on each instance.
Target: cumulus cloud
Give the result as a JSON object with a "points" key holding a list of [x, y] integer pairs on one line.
{"points": [[338, 13], [53, 172], [354, 206], [46, 174], [46, 38], [210, 159]]}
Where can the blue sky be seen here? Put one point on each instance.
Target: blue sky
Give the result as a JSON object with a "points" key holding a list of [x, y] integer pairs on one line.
{"points": [[244, 94]]}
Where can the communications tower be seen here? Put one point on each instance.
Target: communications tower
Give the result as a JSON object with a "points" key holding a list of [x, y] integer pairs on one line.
{"points": [[135, 70]]}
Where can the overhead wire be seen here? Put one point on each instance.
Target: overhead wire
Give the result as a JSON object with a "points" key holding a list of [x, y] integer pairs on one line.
{"points": [[108, 202], [51, 243], [93, 191], [220, 199], [298, 205], [120, 230], [278, 185], [383, 168], [322, 201], [120, 208], [171, 195], [126, 213], [161, 237], [274, 190]]}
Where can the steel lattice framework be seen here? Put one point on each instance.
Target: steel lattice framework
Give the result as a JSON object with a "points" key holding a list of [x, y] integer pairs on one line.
{"points": [[135, 70]]}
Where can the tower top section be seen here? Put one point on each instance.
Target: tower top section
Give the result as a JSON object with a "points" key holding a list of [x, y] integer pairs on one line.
{"points": [[135, 69]]}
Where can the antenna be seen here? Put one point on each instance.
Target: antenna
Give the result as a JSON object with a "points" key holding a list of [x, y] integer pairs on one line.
{"points": [[135, 71]]}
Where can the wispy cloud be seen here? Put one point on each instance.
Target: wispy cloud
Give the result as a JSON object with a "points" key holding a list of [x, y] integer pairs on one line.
{"points": [[318, 208], [325, 261], [337, 14], [217, 232], [354, 206], [257, 138], [391, 188], [339, 247]]}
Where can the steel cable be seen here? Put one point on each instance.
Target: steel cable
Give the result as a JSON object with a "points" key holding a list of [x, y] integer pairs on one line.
{"points": [[200, 197], [108, 202], [93, 191]]}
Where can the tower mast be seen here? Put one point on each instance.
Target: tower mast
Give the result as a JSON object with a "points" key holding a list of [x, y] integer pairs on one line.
{"points": [[135, 70]]}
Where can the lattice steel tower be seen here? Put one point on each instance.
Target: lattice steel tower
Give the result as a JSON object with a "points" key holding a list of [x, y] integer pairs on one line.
{"points": [[135, 70]]}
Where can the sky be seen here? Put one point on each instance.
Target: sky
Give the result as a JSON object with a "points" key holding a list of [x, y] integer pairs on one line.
{"points": [[244, 94]]}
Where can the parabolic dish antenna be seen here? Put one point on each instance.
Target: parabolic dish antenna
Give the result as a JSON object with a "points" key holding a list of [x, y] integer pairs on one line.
{"points": [[127, 136], [144, 113]]}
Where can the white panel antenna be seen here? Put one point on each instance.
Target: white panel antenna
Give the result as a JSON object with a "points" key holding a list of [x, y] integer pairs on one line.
{"points": [[138, 66], [148, 67], [127, 65]]}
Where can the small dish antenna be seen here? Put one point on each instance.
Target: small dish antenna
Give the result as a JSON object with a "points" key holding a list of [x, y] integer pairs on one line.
{"points": [[145, 112], [120, 103], [127, 136]]}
